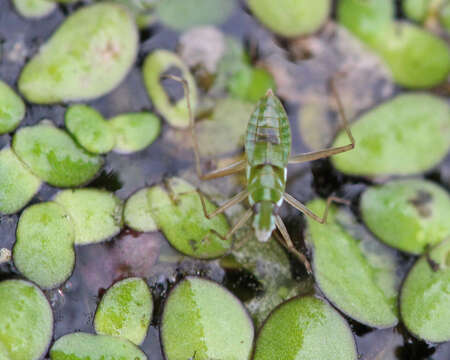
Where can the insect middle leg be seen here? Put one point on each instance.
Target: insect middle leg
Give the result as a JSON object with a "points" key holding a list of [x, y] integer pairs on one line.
{"points": [[315, 155], [229, 170]]}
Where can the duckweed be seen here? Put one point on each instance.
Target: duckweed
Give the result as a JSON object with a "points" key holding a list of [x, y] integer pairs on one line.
{"points": [[137, 212], [96, 214], [407, 214], [52, 155], [155, 64], [34, 9], [94, 347], [12, 109], [16, 189], [43, 251], [26, 325], [89, 129], [198, 315], [87, 56], [425, 299], [125, 310], [178, 212], [134, 131], [357, 277], [305, 328], [291, 18], [406, 135]]}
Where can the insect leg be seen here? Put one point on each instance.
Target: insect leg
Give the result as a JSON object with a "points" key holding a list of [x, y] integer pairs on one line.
{"points": [[286, 241], [296, 159], [231, 169], [236, 199], [302, 208], [236, 226]]}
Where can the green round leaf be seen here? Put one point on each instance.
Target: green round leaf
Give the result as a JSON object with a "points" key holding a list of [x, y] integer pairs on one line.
{"points": [[12, 109], [291, 18], [26, 325], [89, 129], [198, 315], [416, 58], [125, 310], [81, 346], [96, 214], [155, 65], [87, 56], [358, 276], [34, 9], [406, 135], [137, 212], [179, 214], [134, 131], [305, 328], [52, 155], [408, 214], [416, 9], [43, 251], [425, 296], [250, 84], [185, 14], [16, 189]]}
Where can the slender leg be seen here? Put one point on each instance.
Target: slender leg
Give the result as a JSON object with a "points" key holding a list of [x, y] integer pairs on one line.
{"points": [[299, 206], [236, 226], [286, 241], [236, 199], [231, 169], [296, 159]]}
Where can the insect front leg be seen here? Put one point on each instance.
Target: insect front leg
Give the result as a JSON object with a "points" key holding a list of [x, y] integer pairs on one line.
{"points": [[315, 155], [229, 170]]}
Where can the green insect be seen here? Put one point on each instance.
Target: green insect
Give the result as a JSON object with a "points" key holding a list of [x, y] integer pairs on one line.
{"points": [[267, 154]]}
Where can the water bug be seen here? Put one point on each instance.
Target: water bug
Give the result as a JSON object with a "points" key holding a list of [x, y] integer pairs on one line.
{"points": [[267, 154]]}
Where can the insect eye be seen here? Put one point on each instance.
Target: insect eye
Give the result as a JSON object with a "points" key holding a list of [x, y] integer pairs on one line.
{"points": [[257, 208]]}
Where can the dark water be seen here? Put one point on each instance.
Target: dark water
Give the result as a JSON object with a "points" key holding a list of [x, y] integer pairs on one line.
{"points": [[98, 266]]}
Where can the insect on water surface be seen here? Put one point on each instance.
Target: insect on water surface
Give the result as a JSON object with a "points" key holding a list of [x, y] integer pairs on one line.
{"points": [[267, 154]]}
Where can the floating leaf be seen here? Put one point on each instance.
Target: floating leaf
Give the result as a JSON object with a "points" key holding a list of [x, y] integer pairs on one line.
{"points": [[80, 345], [89, 129], [416, 9], [291, 18], [198, 316], [52, 155], [87, 56], [134, 131], [34, 9], [185, 14], [425, 296], [416, 58], [125, 310], [358, 276], [178, 213], [406, 135], [408, 214], [230, 120], [155, 65], [96, 214], [26, 324], [16, 189], [305, 328], [250, 83], [12, 109], [137, 212], [43, 251]]}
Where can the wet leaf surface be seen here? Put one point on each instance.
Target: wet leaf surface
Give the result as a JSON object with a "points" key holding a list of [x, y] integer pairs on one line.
{"points": [[12, 109], [137, 212], [409, 215], [26, 321], [34, 8]]}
